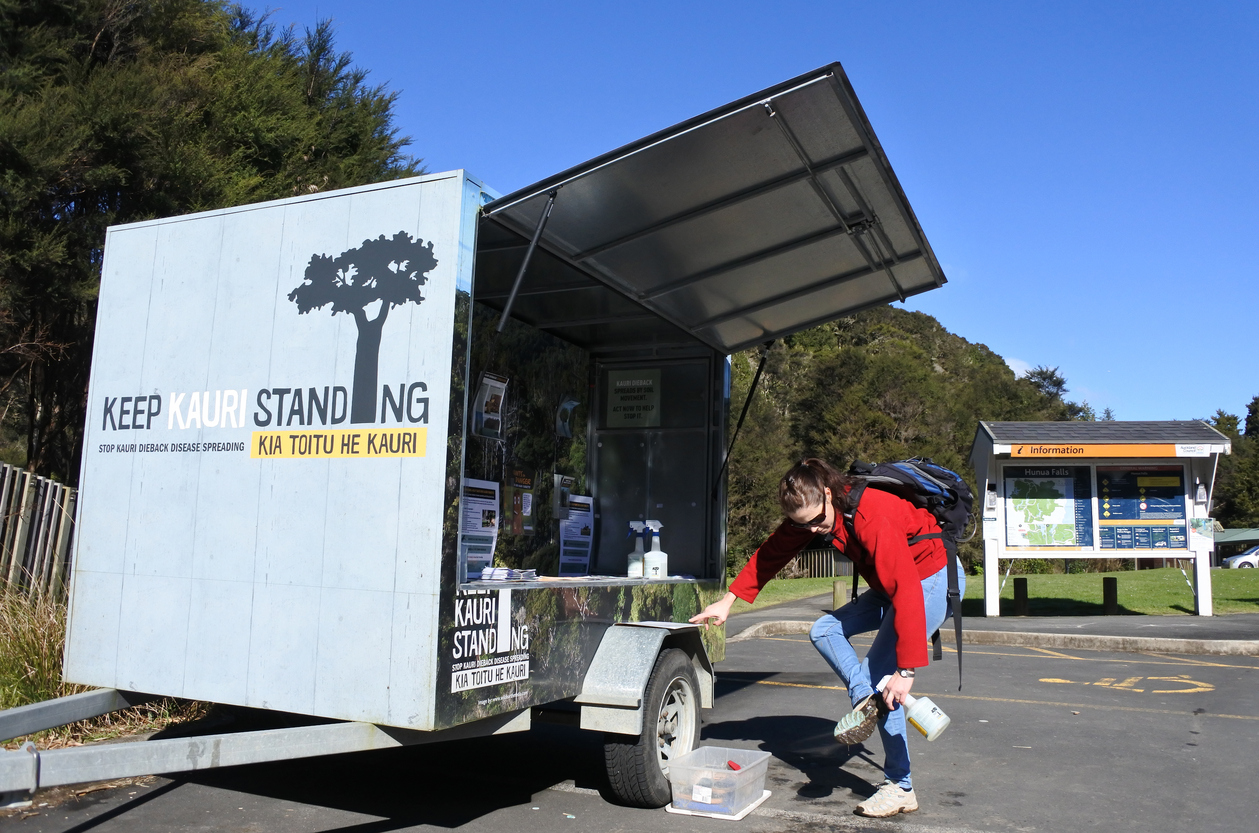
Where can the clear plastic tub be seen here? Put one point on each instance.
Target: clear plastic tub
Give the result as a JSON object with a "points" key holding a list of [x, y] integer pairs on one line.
{"points": [[703, 781]]}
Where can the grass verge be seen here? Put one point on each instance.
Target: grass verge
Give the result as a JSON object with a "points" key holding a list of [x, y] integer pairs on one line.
{"points": [[32, 637], [1153, 592], [1163, 591], [783, 590]]}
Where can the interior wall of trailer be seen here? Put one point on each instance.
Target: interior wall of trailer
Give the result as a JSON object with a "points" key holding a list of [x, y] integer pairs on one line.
{"points": [[543, 373], [559, 414], [661, 469]]}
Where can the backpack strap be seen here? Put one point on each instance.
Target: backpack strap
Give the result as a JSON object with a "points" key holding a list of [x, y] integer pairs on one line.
{"points": [[850, 526], [954, 609], [954, 595]]}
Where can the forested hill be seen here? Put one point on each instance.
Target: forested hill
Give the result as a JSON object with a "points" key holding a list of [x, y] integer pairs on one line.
{"points": [[884, 384]]}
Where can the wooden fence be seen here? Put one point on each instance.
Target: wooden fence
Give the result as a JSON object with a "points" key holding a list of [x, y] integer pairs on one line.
{"points": [[824, 563], [36, 528]]}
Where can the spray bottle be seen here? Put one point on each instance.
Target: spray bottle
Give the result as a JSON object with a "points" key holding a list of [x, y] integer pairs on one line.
{"points": [[656, 561], [922, 714], [636, 557]]}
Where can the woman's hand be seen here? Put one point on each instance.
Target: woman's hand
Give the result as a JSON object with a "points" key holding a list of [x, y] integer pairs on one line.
{"points": [[896, 689], [716, 613]]}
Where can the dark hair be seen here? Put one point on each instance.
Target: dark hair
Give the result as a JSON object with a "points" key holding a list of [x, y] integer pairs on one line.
{"points": [[805, 484]]}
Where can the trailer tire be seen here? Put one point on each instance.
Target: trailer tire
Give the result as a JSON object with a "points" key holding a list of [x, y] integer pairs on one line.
{"points": [[638, 769]]}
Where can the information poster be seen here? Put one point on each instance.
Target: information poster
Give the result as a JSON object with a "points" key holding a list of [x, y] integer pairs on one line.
{"points": [[1202, 534], [1142, 508], [576, 536], [1048, 507], [559, 496], [478, 525], [634, 398], [487, 408], [519, 501]]}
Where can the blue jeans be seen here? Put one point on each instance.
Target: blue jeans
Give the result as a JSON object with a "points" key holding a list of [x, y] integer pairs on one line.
{"points": [[873, 611]]}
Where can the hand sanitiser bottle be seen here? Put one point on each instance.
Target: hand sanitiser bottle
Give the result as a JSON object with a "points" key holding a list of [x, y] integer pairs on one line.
{"points": [[656, 561], [922, 714], [636, 557]]}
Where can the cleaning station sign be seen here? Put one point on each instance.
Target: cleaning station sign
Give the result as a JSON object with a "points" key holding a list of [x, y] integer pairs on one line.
{"points": [[1096, 490], [264, 485]]}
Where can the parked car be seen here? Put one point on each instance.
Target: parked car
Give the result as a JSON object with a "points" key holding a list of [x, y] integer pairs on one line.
{"points": [[1249, 558]]}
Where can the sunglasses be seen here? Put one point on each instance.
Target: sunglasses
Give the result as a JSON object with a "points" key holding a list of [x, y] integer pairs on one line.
{"points": [[820, 520]]}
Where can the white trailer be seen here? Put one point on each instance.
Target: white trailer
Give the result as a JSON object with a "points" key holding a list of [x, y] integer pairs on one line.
{"points": [[313, 421]]}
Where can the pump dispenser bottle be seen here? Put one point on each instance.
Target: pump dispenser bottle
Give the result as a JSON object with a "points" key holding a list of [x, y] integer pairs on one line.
{"points": [[656, 561], [635, 569]]}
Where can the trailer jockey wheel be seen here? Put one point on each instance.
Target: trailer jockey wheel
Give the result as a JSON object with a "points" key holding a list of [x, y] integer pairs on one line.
{"points": [[638, 770]]}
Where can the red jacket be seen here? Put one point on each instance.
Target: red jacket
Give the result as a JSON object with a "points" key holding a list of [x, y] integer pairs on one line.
{"points": [[883, 524]]}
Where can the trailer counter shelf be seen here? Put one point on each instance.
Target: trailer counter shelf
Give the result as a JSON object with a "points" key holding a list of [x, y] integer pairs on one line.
{"points": [[301, 412]]}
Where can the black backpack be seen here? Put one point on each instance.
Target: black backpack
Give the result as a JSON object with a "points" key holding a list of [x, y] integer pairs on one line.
{"points": [[942, 493]]}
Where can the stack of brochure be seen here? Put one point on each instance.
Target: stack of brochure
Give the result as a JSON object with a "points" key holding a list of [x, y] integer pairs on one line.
{"points": [[507, 574]]}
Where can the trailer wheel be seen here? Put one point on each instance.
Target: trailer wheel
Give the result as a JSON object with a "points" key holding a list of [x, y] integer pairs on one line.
{"points": [[638, 769]]}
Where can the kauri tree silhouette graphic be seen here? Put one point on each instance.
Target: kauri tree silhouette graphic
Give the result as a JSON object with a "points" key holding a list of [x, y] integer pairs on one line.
{"points": [[384, 271]]}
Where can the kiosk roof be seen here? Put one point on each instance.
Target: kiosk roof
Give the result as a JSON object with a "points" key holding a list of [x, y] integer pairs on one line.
{"points": [[1107, 432], [766, 216]]}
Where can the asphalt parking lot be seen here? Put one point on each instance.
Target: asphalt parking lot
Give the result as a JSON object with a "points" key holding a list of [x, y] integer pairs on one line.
{"points": [[1040, 740]]}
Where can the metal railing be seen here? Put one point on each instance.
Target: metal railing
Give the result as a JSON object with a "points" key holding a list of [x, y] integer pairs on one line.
{"points": [[823, 563], [36, 529]]}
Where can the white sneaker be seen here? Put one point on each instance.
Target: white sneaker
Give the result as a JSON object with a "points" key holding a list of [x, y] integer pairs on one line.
{"points": [[888, 800]]}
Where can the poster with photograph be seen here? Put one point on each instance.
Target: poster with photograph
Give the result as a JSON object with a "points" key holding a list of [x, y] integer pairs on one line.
{"points": [[576, 536], [478, 525], [487, 409], [1202, 534]]}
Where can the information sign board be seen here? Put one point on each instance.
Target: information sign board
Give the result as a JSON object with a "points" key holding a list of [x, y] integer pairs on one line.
{"points": [[1048, 507], [1142, 507]]}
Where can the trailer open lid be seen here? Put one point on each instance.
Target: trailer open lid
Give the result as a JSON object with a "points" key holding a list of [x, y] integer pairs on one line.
{"points": [[766, 216]]}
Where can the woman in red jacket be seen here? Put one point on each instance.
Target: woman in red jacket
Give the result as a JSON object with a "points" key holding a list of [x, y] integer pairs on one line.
{"points": [[906, 602]]}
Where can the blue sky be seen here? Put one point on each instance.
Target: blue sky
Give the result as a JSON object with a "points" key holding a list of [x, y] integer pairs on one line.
{"points": [[1087, 173]]}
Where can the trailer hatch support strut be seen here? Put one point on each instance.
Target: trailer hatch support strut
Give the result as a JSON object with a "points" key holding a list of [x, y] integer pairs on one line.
{"points": [[747, 403], [524, 264]]}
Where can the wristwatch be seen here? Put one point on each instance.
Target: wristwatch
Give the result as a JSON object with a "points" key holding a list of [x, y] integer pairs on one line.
{"points": [[907, 673]]}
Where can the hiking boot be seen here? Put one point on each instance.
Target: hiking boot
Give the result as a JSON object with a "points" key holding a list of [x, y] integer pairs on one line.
{"points": [[888, 800], [859, 724]]}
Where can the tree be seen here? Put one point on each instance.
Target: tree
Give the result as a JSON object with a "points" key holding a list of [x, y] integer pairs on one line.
{"points": [[1083, 411], [1227, 424], [114, 111], [386, 273], [1235, 497], [1252, 419], [1048, 380], [1107, 415], [883, 384]]}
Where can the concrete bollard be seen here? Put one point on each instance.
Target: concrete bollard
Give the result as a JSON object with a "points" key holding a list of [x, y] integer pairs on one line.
{"points": [[1020, 597], [1110, 595]]}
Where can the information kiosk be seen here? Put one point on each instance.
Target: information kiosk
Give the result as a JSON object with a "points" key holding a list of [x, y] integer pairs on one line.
{"points": [[1097, 490]]}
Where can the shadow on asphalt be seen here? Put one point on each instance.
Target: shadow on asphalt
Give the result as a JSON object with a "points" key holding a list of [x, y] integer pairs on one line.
{"points": [[1048, 606], [451, 784], [804, 742], [441, 784]]}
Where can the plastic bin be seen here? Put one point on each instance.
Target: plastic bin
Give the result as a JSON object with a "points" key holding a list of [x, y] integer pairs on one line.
{"points": [[703, 781]]}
